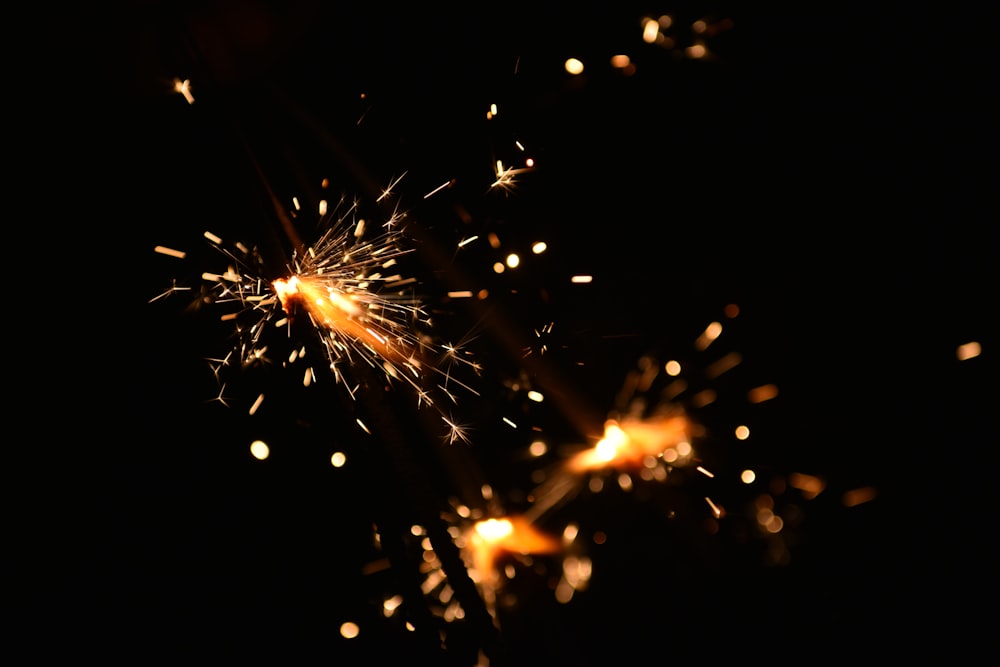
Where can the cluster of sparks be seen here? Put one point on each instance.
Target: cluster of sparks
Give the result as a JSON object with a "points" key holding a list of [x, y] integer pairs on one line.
{"points": [[349, 288]]}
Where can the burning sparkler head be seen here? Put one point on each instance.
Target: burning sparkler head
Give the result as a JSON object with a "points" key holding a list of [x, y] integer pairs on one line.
{"points": [[628, 443], [488, 540]]}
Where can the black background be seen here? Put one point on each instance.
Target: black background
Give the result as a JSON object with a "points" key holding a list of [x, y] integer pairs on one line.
{"points": [[830, 173]]}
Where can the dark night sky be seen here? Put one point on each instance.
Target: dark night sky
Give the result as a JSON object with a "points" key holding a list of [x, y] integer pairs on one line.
{"points": [[828, 173]]}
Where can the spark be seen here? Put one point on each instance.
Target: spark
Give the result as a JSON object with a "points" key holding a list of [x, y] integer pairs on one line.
{"points": [[717, 511], [446, 184], [349, 288], [969, 350], [170, 252], [506, 177], [184, 88], [389, 189], [456, 432], [259, 450]]}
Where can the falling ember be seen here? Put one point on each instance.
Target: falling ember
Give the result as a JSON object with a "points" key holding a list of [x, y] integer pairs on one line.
{"points": [[338, 459], [574, 66], [856, 497], [717, 511], [726, 363], [170, 252], [650, 31], [810, 485], [969, 350], [349, 630], [762, 393], [256, 404], [581, 280], [259, 450], [696, 51], [708, 336]]}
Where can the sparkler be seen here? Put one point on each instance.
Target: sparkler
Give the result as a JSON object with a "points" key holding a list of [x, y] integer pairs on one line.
{"points": [[349, 288], [352, 292]]}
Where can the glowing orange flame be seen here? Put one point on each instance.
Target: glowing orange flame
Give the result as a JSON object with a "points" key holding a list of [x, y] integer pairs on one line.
{"points": [[338, 312], [626, 444], [489, 539]]}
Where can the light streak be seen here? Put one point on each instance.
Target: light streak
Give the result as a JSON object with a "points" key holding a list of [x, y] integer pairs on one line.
{"points": [[170, 252], [446, 184]]}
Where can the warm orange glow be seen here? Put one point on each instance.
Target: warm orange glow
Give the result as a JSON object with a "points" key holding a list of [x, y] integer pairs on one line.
{"points": [[491, 538], [762, 393], [728, 362], [650, 31], [708, 336], [620, 61], [696, 51], [538, 448], [969, 350], [340, 312], [859, 496], [163, 250], [810, 485], [574, 66], [627, 443], [349, 630]]}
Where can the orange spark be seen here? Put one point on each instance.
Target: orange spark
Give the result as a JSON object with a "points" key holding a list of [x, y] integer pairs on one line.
{"points": [[338, 312], [627, 443]]}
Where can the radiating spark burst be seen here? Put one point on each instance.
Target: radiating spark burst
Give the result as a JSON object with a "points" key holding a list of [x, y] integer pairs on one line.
{"points": [[667, 430], [349, 288]]}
